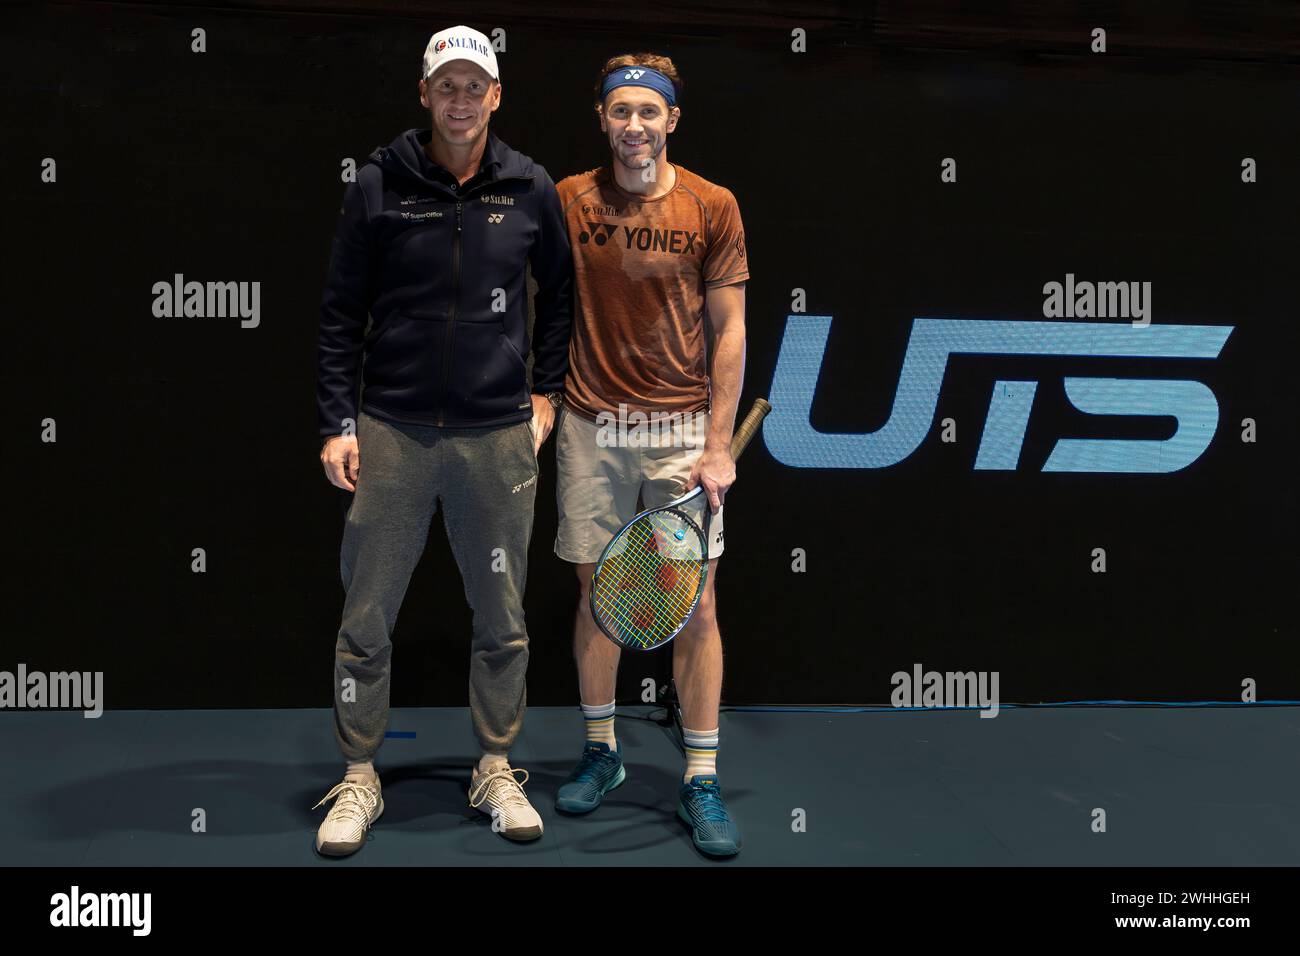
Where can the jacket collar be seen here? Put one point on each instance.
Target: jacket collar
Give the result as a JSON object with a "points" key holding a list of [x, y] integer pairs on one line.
{"points": [[405, 155]]}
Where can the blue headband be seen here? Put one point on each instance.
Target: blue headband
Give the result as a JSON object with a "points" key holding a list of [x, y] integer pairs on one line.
{"points": [[640, 76]]}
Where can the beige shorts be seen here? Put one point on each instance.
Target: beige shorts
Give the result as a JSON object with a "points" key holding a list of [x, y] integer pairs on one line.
{"points": [[600, 489]]}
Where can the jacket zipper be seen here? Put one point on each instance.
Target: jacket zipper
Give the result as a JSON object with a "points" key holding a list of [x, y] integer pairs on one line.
{"points": [[455, 290], [451, 319]]}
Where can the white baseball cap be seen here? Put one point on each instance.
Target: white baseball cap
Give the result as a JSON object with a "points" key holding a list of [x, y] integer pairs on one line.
{"points": [[459, 43]]}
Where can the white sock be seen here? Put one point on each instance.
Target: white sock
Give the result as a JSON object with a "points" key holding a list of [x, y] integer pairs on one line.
{"points": [[362, 771], [600, 724], [492, 761], [701, 753]]}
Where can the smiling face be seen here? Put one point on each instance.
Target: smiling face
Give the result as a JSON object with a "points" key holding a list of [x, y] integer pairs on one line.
{"points": [[637, 122], [461, 98]]}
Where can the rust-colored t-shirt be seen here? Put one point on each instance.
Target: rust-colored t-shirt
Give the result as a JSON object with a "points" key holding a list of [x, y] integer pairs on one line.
{"points": [[641, 268]]}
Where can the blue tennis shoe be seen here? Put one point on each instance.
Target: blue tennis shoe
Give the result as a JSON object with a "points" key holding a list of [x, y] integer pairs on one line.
{"points": [[599, 771], [700, 806]]}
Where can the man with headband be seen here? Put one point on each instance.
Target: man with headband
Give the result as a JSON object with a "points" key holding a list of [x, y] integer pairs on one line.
{"points": [[433, 241], [658, 341]]}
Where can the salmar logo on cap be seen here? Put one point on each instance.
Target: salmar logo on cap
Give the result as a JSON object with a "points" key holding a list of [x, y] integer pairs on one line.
{"points": [[459, 43]]}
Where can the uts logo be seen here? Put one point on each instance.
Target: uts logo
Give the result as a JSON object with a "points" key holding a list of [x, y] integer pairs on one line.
{"points": [[792, 440], [597, 232]]}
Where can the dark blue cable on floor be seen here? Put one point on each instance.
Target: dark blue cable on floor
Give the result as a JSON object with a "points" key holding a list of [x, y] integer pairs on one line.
{"points": [[1065, 703]]}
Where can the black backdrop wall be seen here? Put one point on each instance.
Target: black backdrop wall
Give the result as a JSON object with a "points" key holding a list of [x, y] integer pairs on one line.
{"points": [[176, 434]]}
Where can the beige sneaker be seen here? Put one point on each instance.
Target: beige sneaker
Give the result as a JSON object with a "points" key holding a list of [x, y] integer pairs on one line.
{"points": [[498, 794], [344, 829]]}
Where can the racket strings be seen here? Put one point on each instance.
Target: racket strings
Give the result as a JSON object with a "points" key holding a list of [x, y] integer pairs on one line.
{"points": [[650, 578]]}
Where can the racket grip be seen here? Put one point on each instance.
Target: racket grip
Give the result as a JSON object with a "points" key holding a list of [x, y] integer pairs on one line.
{"points": [[749, 427]]}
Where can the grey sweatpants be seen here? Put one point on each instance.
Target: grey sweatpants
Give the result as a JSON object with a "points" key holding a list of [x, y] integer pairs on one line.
{"points": [[485, 480]]}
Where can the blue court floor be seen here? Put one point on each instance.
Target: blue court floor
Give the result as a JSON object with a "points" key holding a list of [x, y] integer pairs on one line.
{"points": [[1205, 787]]}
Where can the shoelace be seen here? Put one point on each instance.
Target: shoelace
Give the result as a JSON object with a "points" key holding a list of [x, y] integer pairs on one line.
{"points": [[355, 802], [512, 791], [709, 802], [590, 765]]}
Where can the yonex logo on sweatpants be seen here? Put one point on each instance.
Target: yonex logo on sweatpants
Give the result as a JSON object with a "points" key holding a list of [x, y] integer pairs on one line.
{"points": [[103, 909]]}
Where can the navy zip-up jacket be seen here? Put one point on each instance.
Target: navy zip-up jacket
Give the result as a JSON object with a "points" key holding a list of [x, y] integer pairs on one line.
{"points": [[440, 269]]}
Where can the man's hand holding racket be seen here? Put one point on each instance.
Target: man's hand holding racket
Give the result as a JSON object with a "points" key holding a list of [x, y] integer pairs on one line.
{"points": [[716, 471], [649, 578]]}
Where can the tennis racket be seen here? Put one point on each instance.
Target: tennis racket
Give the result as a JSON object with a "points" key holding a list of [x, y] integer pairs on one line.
{"points": [[650, 576]]}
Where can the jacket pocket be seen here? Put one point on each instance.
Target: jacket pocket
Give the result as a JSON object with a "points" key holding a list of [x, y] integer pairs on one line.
{"points": [[523, 363], [488, 379], [403, 366]]}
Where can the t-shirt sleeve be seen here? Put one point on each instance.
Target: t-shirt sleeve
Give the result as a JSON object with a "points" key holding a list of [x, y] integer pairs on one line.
{"points": [[565, 190], [724, 260]]}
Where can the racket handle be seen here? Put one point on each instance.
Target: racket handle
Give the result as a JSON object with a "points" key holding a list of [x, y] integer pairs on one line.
{"points": [[749, 427]]}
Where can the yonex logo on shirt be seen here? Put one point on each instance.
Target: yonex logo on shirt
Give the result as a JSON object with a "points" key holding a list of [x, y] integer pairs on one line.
{"points": [[496, 217], [677, 241], [600, 230], [645, 239]]}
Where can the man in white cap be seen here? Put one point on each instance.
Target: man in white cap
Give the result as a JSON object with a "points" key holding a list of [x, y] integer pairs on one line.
{"points": [[434, 240]]}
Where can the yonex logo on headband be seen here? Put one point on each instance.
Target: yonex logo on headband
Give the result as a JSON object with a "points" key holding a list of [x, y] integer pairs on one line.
{"points": [[646, 76]]}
